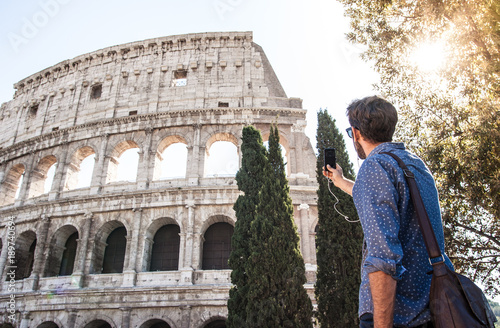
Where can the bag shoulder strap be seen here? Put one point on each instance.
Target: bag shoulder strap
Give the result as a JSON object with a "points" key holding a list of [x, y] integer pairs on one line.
{"points": [[423, 219]]}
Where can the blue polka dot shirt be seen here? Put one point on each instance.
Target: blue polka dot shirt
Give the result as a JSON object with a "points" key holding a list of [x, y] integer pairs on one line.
{"points": [[393, 242]]}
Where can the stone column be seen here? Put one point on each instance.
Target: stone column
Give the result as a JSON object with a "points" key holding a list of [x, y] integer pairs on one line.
{"points": [[130, 273], [145, 173], [41, 244], [188, 266], [304, 238], [72, 313], [23, 193], [182, 249], [125, 317], [186, 316], [58, 181], [25, 320], [194, 153], [99, 174], [83, 242]]}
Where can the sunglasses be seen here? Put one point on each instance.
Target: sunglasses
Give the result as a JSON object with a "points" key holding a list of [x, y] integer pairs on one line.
{"points": [[349, 132]]}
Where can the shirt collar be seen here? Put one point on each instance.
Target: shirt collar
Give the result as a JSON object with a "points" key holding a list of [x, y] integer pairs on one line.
{"points": [[387, 146]]}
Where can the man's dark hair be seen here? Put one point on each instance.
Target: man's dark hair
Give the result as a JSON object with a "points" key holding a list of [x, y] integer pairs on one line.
{"points": [[374, 117]]}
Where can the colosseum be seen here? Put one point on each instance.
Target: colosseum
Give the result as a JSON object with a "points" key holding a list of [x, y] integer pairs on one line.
{"points": [[91, 240]]}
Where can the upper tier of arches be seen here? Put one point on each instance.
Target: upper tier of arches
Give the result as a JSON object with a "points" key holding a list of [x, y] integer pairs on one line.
{"points": [[146, 159]]}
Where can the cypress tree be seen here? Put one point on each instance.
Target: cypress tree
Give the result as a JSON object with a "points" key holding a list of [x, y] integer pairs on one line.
{"points": [[338, 242], [250, 180], [276, 271]]}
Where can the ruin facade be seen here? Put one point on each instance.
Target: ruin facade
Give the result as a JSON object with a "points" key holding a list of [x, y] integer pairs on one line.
{"points": [[151, 250]]}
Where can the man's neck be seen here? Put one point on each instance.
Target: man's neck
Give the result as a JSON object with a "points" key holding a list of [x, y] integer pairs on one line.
{"points": [[368, 147]]}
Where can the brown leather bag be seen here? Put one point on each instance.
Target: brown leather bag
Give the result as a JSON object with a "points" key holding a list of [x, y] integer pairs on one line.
{"points": [[455, 301]]}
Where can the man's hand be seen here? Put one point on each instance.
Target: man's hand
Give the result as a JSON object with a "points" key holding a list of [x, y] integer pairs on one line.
{"points": [[383, 288], [337, 176]]}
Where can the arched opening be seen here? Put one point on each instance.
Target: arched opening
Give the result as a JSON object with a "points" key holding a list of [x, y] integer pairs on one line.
{"points": [[11, 185], [25, 254], [221, 159], [216, 324], [98, 324], [171, 158], [42, 176], [69, 255], [128, 164], [48, 324], [155, 323], [51, 173], [6, 325], [114, 254], [217, 246], [123, 162], [62, 254], [165, 252], [174, 161], [79, 174]]}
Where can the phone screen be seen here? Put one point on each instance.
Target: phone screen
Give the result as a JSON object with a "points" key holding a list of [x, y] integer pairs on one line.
{"points": [[330, 158]]}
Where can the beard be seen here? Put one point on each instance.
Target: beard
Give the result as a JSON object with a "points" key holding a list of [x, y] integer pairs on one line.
{"points": [[359, 150]]}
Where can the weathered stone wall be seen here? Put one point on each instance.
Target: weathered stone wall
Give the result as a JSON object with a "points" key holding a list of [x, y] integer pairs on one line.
{"points": [[194, 89]]}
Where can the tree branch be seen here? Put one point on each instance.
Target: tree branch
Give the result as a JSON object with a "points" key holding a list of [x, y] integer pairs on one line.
{"points": [[489, 237]]}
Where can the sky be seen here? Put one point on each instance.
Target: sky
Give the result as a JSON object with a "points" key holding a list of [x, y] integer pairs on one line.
{"points": [[304, 41]]}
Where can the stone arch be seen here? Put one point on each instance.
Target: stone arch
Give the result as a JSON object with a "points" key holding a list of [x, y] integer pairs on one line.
{"points": [[99, 323], [284, 139], [100, 244], [74, 168], [150, 234], [220, 136], [62, 255], [163, 145], [25, 254], [11, 184], [156, 323], [215, 322], [39, 175], [216, 218], [48, 324], [216, 244], [114, 159]]}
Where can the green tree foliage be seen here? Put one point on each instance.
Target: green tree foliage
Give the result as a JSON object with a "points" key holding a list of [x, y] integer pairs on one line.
{"points": [[338, 242], [449, 113], [275, 268], [250, 180]]}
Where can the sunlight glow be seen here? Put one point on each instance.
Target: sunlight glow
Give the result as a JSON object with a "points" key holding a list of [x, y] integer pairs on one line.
{"points": [[429, 57]]}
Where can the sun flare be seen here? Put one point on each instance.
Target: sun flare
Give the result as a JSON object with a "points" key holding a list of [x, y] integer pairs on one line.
{"points": [[429, 57]]}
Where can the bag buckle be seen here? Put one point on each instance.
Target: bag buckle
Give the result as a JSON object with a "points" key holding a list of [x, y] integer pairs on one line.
{"points": [[437, 262], [409, 174]]}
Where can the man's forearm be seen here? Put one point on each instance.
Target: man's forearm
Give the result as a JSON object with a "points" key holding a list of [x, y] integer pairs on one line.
{"points": [[383, 289], [344, 184]]}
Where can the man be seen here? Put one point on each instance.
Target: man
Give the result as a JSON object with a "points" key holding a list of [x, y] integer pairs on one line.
{"points": [[395, 283]]}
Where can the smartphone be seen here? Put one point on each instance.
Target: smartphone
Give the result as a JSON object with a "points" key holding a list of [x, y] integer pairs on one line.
{"points": [[330, 158]]}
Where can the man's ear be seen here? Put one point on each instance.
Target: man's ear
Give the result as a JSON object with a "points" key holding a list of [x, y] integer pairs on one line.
{"points": [[356, 135]]}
